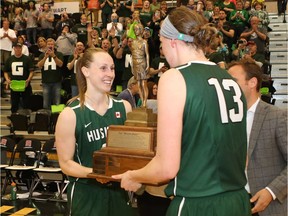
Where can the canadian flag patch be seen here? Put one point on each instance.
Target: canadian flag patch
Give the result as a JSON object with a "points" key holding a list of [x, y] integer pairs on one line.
{"points": [[117, 114]]}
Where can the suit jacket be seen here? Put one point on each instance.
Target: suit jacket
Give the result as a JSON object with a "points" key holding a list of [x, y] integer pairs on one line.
{"points": [[267, 155]]}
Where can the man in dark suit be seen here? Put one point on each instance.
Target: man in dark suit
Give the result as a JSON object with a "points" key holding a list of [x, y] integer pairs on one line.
{"points": [[267, 144]]}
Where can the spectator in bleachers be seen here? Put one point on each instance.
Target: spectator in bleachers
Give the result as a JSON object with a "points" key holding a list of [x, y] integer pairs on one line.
{"points": [[239, 18], [191, 5], [93, 6], [239, 51], [258, 11], [115, 25], [258, 35], [106, 45], [145, 13], [155, 5], [147, 33], [123, 8], [81, 29], [247, 5], [42, 44], [26, 42], [209, 10], [4, 11], [25, 50], [7, 9], [106, 7], [104, 34], [212, 54], [227, 29], [65, 44], [152, 90], [72, 61], [115, 46], [7, 37], [23, 71], [200, 7], [251, 53], [93, 40], [46, 19], [154, 25], [126, 25], [158, 66], [136, 16], [215, 16], [124, 54], [163, 9], [19, 21], [64, 21], [50, 64], [31, 16], [227, 6]]}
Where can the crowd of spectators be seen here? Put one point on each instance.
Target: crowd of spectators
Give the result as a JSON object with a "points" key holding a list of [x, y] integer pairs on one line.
{"points": [[240, 32]]}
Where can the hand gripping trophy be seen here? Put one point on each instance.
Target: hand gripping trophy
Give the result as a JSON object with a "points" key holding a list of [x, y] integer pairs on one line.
{"points": [[140, 62]]}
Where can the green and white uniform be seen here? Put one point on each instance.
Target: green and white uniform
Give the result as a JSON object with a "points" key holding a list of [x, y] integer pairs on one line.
{"points": [[88, 197], [211, 177]]}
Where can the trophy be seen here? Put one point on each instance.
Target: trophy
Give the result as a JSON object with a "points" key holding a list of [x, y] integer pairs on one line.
{"points": [[128, 147], [133, 145]]}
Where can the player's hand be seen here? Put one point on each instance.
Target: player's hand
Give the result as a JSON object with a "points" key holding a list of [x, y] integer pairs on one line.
{"points": [[262, 199], [127, 181]]}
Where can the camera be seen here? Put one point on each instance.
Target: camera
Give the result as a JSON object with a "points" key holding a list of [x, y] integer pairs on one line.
{"points": [[247, 50], [240, 41]]}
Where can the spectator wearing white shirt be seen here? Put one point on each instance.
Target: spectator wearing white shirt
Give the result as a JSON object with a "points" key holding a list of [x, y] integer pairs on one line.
{"points": [[115, 25], [7, 37]]}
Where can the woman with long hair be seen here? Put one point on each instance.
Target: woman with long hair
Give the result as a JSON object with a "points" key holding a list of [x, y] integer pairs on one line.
{"points": [[82, 129]]}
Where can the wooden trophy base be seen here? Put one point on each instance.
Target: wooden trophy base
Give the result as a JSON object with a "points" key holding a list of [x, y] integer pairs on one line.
{"points": [[129, 147], [141, 117], [112, 161]]}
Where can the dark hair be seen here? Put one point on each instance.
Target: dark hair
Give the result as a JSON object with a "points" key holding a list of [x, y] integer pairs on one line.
{"points": [[150, 86], [191, 23], [65, 26], [251, 69], [34, 5]]}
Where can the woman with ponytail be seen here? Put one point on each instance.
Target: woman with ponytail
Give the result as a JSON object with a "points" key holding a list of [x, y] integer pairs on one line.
{"points": [[201, 131], [82, 129]]}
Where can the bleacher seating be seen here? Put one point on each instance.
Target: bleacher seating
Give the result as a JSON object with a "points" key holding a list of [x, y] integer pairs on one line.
{"points": [[278, 48]]}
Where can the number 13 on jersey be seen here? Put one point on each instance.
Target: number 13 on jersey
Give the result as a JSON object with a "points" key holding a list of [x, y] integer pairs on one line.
{"points": [[228, 84]]}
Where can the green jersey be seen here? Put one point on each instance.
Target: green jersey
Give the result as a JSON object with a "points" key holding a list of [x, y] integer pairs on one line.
{"points": [[87, 196], [214, 143], [91, 129]]}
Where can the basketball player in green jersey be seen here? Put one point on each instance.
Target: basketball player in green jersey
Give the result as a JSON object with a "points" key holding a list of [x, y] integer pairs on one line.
{"points": [[201, 132], [82, 129]]}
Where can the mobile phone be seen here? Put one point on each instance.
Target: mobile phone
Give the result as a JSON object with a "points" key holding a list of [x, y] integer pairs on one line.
{"points": [[247, 50]]}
